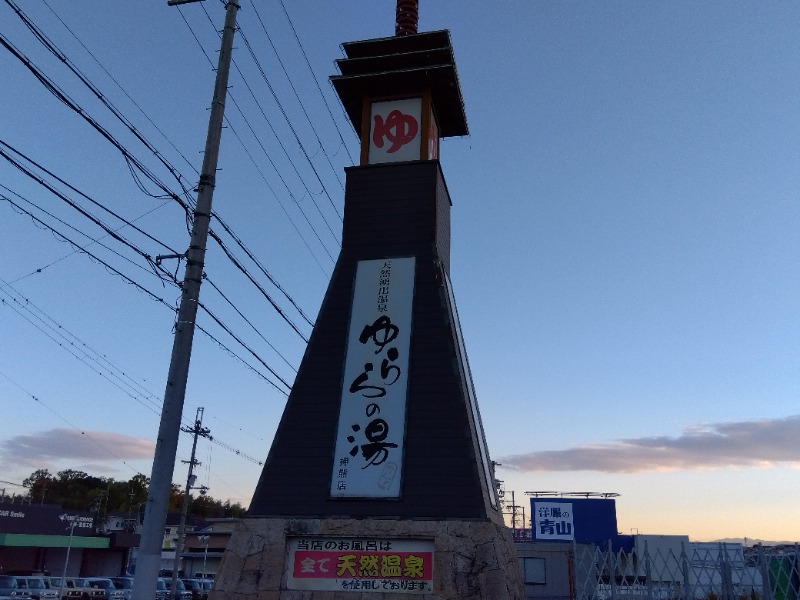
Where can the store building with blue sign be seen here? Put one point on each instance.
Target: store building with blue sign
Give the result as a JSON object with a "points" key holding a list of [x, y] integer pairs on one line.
{"points": [[587, 518]]}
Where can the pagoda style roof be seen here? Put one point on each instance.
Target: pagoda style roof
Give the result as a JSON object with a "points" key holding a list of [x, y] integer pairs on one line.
{"points": [[400, 65]]}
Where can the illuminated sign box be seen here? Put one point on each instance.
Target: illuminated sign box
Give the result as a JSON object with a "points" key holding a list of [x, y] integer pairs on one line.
{"points": [[370, 565], [400, 129], [584, 520]]}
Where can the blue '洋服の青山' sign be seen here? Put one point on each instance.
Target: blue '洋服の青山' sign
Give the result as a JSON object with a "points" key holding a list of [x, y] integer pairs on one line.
{"points": [[583, 520]]}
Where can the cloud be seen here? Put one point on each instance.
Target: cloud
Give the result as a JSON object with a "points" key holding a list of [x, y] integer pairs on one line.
{"points": [[39, 450], [765, 443]]}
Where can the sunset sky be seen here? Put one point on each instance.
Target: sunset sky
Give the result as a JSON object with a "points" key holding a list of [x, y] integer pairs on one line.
{"points": [[625, 229]]}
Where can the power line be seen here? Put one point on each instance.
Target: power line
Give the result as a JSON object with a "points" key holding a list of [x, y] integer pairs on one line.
{"points": [[134, 164], [85, 213], [68, 422], [280, 177], [79, 349], [140, 287], [100, 205], [277, 137], [239, 429], [51, 47], [261, 267], [264, 293], [241, 360], [54, 50], [297, 95], [83, 352], [245, 346], [246, 320], [291, 127], [313, 77], [235, 451], [75, 229], [60, 55], [58, 260], [94, 257], [154, 263], [139, 108], [280, 202], [232, 99]]}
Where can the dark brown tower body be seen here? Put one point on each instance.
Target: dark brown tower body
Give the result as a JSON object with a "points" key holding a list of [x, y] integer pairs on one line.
{"points": [[378, 482]]}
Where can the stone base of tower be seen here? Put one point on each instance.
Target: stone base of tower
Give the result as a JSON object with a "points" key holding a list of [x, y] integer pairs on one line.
{"points": [[472, 560]]}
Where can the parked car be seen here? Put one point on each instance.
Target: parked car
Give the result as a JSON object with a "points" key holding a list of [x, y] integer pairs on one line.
{"points": [[9, 588], [109, 590], [162, 591], [181, 593], [198, 587], [126, 584], [74, 588], [54, 583], [36, 588]]}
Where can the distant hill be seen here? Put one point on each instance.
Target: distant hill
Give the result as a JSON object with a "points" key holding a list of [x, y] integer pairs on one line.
{"points": [[752, 542]]}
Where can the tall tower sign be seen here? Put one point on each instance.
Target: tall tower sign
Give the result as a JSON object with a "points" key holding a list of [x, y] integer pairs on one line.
{"points": [[378, 482]]}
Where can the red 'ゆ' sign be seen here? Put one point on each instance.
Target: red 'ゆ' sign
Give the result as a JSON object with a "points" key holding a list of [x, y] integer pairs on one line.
{"points": [[398, 129]]}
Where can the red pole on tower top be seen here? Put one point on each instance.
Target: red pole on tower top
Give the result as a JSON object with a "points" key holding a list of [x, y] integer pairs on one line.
{"points": [[407, 17]]}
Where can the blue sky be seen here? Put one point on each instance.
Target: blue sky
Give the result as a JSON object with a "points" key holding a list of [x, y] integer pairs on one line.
{"points": [[625, 226]]}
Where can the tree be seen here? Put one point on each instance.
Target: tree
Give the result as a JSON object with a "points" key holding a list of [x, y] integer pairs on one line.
{"points": [[78, 490], [72, 475], [175, 503], [38, 483], [236, 511], [136, 490]]}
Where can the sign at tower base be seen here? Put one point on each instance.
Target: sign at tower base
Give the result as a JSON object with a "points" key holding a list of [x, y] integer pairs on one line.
{"points": [[369, 565]]}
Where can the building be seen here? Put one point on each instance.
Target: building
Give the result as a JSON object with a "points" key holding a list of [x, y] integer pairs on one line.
{"points": [[51, 540], [574, 552], [47, 538], [204, 547]]}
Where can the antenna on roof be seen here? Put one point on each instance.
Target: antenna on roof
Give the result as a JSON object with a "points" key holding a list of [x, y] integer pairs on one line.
{"points": [[407, 18]]}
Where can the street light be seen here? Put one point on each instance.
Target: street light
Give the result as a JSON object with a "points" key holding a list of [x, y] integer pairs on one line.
{"points": [[204, 539], [66, 560]]}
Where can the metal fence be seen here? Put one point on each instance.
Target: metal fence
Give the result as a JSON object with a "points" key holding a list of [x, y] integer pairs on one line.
{"points": [[697, 571]]}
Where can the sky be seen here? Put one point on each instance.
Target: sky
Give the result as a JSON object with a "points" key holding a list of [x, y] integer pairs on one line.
{"points": [[625, 229]]}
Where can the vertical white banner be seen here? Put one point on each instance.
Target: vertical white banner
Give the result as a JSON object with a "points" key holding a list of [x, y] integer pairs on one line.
{"points": [[368, 459]]}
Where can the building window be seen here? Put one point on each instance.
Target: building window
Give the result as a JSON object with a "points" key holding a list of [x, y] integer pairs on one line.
{"points": [[533, 570]]}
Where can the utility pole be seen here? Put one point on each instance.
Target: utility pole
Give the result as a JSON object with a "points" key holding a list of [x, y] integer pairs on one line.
{"points": [[148, 561], [204, 538], [66, 560], [514, 514], [197, 431]]}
